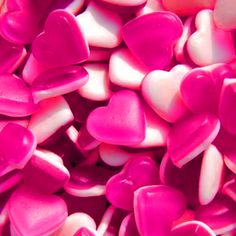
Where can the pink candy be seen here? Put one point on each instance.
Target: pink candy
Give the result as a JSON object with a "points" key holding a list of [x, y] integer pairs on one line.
{"points": [[117, 118]]}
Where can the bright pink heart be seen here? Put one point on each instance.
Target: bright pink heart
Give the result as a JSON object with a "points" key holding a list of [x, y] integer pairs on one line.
{"points": [[33, 213], [15, 97], [121, 122], [156, 52], [62, 43], [24, 143], [120, 188], [199, 131], [156, 207]]}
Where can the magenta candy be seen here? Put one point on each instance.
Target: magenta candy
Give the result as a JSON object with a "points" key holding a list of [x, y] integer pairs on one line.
{"points": [[118, 124], [229, 187], [24, 143], [42, 215], [55, 82], [157, 202], [120, 187], [85, 232], [155, 52], [62, 43], [15, 97], [128, 226], [199, 131]]}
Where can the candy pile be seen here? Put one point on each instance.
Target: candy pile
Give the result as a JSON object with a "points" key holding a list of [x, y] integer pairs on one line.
{"points": [[117, 118]]}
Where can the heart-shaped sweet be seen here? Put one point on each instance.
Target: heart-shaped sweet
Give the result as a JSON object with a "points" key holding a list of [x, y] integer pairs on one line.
{"points": [[120, 187], [224, 14], [23, 20], [121, 122], [24, 143], [208, 44], [199, 132], [200, 81], [156, 51], [62, 42], [42, 214], [58, 81], [187, 8], [161, 90], [156, 207]]}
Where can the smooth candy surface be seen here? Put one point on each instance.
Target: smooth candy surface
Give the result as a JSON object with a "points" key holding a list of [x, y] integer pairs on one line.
{"points": [[55, 82], [155, 52], [161, 90], [24, 143], [118, 124], [224, 14], [102, 28], [227, 112], [128, 226], [199, 131], [157, 202], [62, 42], [42, 215], [120, 187], [209, 44], [15, 97]]}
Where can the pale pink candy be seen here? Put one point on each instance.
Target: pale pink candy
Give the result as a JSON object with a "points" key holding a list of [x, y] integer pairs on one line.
{"points": [[196, 228], [24, 143], [10, 180], [161, 90], [53, 114], [58, 81], [128, 226], [81, 138], [11, 56], [186, 8], [62, 42], [227, 111], [155, 52], [113, 155], [199, 132], [110, 222], [229, 187], [97, 87], [209, 44], [156, 207], [73, 223], [116, 123], [101, 27], [200, 81], [156, 131], [151, 6], [180, 46], [122, 6], [42, 214], [211, 175], [123, 63], [137, 172], [220, 214], [74, 6], [88, 181], [45, 172], [86, 231], [15, 97], [99, 54], [186, 179], [4, 120], [224, 14]]}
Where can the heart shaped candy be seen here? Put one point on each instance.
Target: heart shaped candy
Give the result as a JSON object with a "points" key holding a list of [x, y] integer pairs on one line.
{"points": [[121, 122], [224, 14], [209, 44], [156, 52], [62, 43], [42, 214], [199, 132], [24, 143], [120, 188], [161, 90]]}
